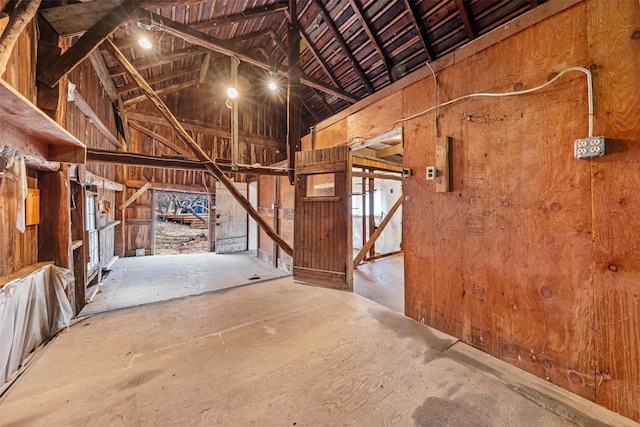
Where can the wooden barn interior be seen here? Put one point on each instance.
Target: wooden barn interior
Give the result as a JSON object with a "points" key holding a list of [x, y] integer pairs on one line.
{"points": [[443, 195]]}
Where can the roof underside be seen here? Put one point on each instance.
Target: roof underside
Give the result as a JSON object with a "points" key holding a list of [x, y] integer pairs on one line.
{"points": [[356, 47]]}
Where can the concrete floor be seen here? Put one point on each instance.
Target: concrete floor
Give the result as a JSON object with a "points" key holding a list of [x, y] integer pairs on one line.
{"points": [[143, 280], [278, 353]]}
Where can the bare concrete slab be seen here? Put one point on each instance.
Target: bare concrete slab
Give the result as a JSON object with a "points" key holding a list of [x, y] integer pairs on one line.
{"points": [[279, 353], [142, 280]]}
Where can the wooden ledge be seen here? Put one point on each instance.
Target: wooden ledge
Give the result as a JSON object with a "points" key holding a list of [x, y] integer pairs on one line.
{"points": [[30, 131], [23, 272]]}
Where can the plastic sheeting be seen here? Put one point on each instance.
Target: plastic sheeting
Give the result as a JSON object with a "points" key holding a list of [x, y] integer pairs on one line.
{"points": [[32, 310], [16, 170]]}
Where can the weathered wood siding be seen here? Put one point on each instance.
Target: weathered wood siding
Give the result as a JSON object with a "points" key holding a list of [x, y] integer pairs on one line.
{"points": [[532, 257]]}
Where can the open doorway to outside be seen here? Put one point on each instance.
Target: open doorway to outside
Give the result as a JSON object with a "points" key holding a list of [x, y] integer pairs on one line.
{"points": [[182, 223], [376, 215]]}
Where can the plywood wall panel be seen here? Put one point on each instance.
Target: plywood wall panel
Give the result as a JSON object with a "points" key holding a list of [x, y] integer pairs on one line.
{"points": [[331, 136], [369, 121], [615, 180]]}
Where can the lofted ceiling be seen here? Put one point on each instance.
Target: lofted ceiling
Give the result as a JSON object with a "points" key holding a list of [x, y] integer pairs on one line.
{"points": [[349, 49]]}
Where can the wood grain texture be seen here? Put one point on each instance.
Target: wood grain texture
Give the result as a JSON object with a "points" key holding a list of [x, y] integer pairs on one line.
{"points": [[614, 49], [321, 223]]}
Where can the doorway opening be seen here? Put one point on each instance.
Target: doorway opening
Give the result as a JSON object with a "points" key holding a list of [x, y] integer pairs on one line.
{"points": [[376, 219], [182, 223]]}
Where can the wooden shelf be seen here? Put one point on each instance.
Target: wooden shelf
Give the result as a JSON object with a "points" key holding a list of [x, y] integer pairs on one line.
{"points": [[30, 131], [76, 244]]}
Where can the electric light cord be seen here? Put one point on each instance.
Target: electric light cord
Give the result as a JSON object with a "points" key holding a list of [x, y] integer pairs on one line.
{"points": [[519, 92]]}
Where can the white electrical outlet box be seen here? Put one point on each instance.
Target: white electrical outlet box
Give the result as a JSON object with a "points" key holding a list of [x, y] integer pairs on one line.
{"points": [[432, 173], [592, 146]]}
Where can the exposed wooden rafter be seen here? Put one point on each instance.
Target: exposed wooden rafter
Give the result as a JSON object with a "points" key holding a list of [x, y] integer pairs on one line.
{"points": [[198, 151], [161, 139], [86, 44], [373, 38], [335, 31], [466, 20], [12, 28], [97, 62], [316, 54], [417, 23], [227, 48]]}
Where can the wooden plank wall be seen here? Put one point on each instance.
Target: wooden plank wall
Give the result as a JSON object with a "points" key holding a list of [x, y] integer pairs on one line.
{"points": [[280, 203], [18, 250], [139, 219], [532, 257], [89, 87]]}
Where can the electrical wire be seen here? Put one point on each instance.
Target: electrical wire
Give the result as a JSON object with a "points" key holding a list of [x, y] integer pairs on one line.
{"points": [[519, 92], [435, 84]]}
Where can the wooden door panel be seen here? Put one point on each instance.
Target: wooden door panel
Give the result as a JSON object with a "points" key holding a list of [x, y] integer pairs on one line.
{"points": [[322, 237]]}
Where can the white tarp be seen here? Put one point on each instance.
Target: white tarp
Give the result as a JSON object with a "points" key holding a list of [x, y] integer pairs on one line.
{"points": [[32, 310]]}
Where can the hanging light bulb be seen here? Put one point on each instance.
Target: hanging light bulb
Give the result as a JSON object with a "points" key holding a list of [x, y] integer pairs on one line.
{"points": [[272, 85], [232, 93], [145, 43]]}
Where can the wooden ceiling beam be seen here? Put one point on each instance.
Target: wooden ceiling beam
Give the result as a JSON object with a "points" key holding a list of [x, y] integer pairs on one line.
{"points": [[211, 167], [204, 67], [225, 47], [343, 45], [373, 38], [418, 25], [257, 12], [164, 58], [466, 20], [160, 78], [86, 44]]}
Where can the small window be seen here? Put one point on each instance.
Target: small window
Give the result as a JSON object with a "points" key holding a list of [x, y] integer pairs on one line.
{"points": [[322, 185]]}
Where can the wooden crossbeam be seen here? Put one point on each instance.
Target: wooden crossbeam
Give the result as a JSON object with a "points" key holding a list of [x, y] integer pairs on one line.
{"points": [[161, 139], [86, 44], [417, 24], [135, 196], [198, 151], [343, 45], [204, 68], [373, 38], [372, 240], [360, 174], [225, 47], [389, 151], [133, 159], [86, 109]]}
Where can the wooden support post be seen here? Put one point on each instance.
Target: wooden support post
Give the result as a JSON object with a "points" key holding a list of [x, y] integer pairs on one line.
{"points": [[442, 164], [198, 151], [364, 211], [294, 118], [372, 213], [276, 213], [377, 233], [234, 113]]}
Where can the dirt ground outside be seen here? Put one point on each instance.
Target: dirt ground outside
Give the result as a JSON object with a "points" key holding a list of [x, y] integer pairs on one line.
{"points": [[172, 238]]}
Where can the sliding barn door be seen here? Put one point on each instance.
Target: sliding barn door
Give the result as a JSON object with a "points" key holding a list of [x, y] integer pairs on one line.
{"points": [[322, 224]]}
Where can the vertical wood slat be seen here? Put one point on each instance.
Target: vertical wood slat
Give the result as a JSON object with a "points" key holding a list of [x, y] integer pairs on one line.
{"points": [[320, 226]]}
